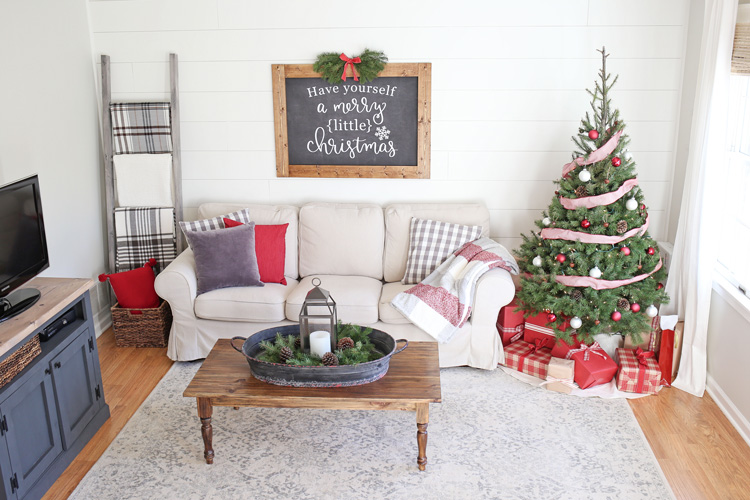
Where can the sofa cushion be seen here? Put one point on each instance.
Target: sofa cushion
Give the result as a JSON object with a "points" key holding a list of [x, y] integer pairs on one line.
{"points": [[343, 239], [388, 313], [252, 304], [398, 222], [356, 297], [265, 214]]}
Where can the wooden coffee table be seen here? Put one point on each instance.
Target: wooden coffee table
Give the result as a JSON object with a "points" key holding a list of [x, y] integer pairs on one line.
{"points": [[411, 384]]}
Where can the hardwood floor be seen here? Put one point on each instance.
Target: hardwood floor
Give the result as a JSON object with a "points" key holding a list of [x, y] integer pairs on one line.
{"points": [[701, 454]]}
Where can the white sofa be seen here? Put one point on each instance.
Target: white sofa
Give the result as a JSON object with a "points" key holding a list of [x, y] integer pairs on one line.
{"points": [[359, 252]]}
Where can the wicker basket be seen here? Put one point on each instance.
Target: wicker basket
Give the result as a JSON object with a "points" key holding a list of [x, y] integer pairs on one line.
{"points": [[13, 364], [142, 327]]}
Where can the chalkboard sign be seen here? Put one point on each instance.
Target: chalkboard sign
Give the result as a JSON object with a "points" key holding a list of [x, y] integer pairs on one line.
{"points": [[352, 129]]}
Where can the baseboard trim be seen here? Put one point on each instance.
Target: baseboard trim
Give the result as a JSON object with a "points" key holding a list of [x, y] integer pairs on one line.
{"points": [[733, 414], [102, 321]]}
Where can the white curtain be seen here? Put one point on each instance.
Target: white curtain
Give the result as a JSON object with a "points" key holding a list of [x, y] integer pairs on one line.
{"points": [[695, 249]]}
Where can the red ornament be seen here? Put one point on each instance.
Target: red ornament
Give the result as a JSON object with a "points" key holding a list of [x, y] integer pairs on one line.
{"points": [[596, 322], [616, 161], [650, 251], [643, 206], [585, 223], [616, 316], [593, 134], [659, 286], [606, 224], [560, 258], [635, 307], [625, 251], [551, 317], [606, 181]]}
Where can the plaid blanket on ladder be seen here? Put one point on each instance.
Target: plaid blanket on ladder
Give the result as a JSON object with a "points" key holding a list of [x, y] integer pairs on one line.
{"points": [[144, 233], [141, 127], [441, 304]]}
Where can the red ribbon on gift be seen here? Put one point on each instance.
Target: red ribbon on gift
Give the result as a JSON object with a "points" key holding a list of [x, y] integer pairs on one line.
{"points": [[586, 349], [642, 356], [538, 344], [517, 332], [349, 62]]}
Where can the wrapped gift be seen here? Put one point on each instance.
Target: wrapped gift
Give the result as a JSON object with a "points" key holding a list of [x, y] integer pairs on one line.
{"points": [[639, 372], [510, 323], [536, 328], [649, 341], [677, 350], [562, 347], [593, 366], [528, 358], [560, 373], [665, 354]]}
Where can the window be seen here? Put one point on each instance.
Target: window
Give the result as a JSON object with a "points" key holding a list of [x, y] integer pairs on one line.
{"points": [[734, 257]]}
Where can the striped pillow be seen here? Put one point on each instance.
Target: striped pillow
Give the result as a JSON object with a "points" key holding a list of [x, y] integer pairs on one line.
{"points": [[430, 242], [215, 222]]}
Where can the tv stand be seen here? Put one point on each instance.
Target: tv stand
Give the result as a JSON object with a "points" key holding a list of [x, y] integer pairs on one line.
{"points": [[55, 405], [17, 302]]}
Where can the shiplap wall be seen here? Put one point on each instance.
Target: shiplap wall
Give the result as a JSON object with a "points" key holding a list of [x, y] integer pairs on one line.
{"points": [[508, 90]]}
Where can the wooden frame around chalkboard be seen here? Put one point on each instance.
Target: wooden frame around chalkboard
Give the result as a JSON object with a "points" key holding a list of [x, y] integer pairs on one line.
{"points": [[423, 72]]}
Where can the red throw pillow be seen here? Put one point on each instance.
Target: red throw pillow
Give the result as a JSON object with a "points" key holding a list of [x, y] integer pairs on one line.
{"points": [[134, 289], [270, 250]]}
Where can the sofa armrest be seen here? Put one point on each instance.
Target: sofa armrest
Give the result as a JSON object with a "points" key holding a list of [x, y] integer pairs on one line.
{"points": [[178, 284], [494, 290]]}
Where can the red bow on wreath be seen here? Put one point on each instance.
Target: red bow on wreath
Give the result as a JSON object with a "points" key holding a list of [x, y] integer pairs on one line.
{"points": [[349, 62]]}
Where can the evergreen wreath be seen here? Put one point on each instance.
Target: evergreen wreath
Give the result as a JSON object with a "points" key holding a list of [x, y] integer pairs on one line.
{"points": [[331, 66], [362, 351]]}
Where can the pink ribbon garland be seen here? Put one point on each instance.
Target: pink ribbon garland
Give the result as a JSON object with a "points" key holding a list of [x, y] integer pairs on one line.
{"points": [[600, 284], [595, 156], [600, 200], [567, 234], [586, 349]]}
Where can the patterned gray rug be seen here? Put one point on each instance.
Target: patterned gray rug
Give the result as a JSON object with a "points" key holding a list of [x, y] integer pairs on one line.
{"points": [[492, 437]]}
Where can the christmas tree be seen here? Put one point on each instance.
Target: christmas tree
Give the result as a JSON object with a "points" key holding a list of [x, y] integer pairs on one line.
{"points": [[593, 268]]}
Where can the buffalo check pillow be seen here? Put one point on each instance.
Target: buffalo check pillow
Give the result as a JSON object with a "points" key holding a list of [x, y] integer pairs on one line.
{"points": [[430, 242], [215, 222]]}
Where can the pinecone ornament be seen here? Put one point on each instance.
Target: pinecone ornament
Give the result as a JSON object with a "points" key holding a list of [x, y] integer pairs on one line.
{"points": [[622, 227], [622, 303], [581, 192], [285, 354], [298, 343], [330, 359], [345, 343], [576, 294]]}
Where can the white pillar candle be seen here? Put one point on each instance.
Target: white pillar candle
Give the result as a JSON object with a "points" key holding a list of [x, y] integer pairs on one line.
{"points": [[320, 343]]}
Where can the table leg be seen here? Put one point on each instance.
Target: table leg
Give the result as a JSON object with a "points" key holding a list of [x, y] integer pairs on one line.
{"points": [[205, 410], [423, 417]]}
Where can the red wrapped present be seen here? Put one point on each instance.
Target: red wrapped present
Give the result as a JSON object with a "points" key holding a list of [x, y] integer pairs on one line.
{"points": [[510, 323], [593, 366], [528, 358], [639, 372], [562, 348], [536, 328]]}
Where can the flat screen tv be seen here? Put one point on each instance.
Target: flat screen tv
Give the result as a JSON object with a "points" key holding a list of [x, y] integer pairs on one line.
{"points": [[23, 245]]}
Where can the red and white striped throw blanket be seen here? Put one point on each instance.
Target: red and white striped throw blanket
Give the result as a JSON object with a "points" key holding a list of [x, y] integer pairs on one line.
{"points": [[441, 304]]}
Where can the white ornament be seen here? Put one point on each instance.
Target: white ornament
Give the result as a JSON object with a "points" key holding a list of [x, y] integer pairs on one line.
{"points": [[651, 311], [584, 175], [631, 204], [595, 273], [628, 156], [546, 221], [576, 323], [537, 261]]}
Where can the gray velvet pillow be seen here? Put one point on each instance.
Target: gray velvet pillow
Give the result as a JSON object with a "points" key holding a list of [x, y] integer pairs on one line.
{"points": [[225, 257]]}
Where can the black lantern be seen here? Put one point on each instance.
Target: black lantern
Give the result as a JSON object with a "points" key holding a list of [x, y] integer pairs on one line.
{"points": [[317, 321]]}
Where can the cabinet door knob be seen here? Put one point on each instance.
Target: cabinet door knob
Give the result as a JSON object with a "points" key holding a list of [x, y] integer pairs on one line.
{"points": [[57, 364]]}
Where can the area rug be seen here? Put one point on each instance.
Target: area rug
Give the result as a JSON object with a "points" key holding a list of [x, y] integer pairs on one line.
{"points": [[492, 437]]}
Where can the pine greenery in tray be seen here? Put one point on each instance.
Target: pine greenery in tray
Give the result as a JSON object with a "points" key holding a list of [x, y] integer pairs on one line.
{"points": [[353, 341]]}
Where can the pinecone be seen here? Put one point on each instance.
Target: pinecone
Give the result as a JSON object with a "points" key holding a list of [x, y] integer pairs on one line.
{"points": [[622, 226], [576, 294], [285, 353], [330, 359], [581, 192], [298, 343], [345, 343], [622, 303]]}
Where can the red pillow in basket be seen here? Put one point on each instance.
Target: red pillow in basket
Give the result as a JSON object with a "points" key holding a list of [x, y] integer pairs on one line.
{"points": [[270, 250], [134, 289]]}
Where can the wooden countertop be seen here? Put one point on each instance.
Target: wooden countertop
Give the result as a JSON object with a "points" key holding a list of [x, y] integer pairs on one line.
{"points": [[57, 293]]}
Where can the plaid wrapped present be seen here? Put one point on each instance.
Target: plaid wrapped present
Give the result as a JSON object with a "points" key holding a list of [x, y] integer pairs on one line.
{"points": [[142, 234], [639, 371], [593, 366], [528, 358], [510, 323], [141, 127]]}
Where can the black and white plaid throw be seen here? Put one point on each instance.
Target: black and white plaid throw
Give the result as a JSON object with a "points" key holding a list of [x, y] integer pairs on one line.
{"points": [[142, 233], [141, 127]]}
